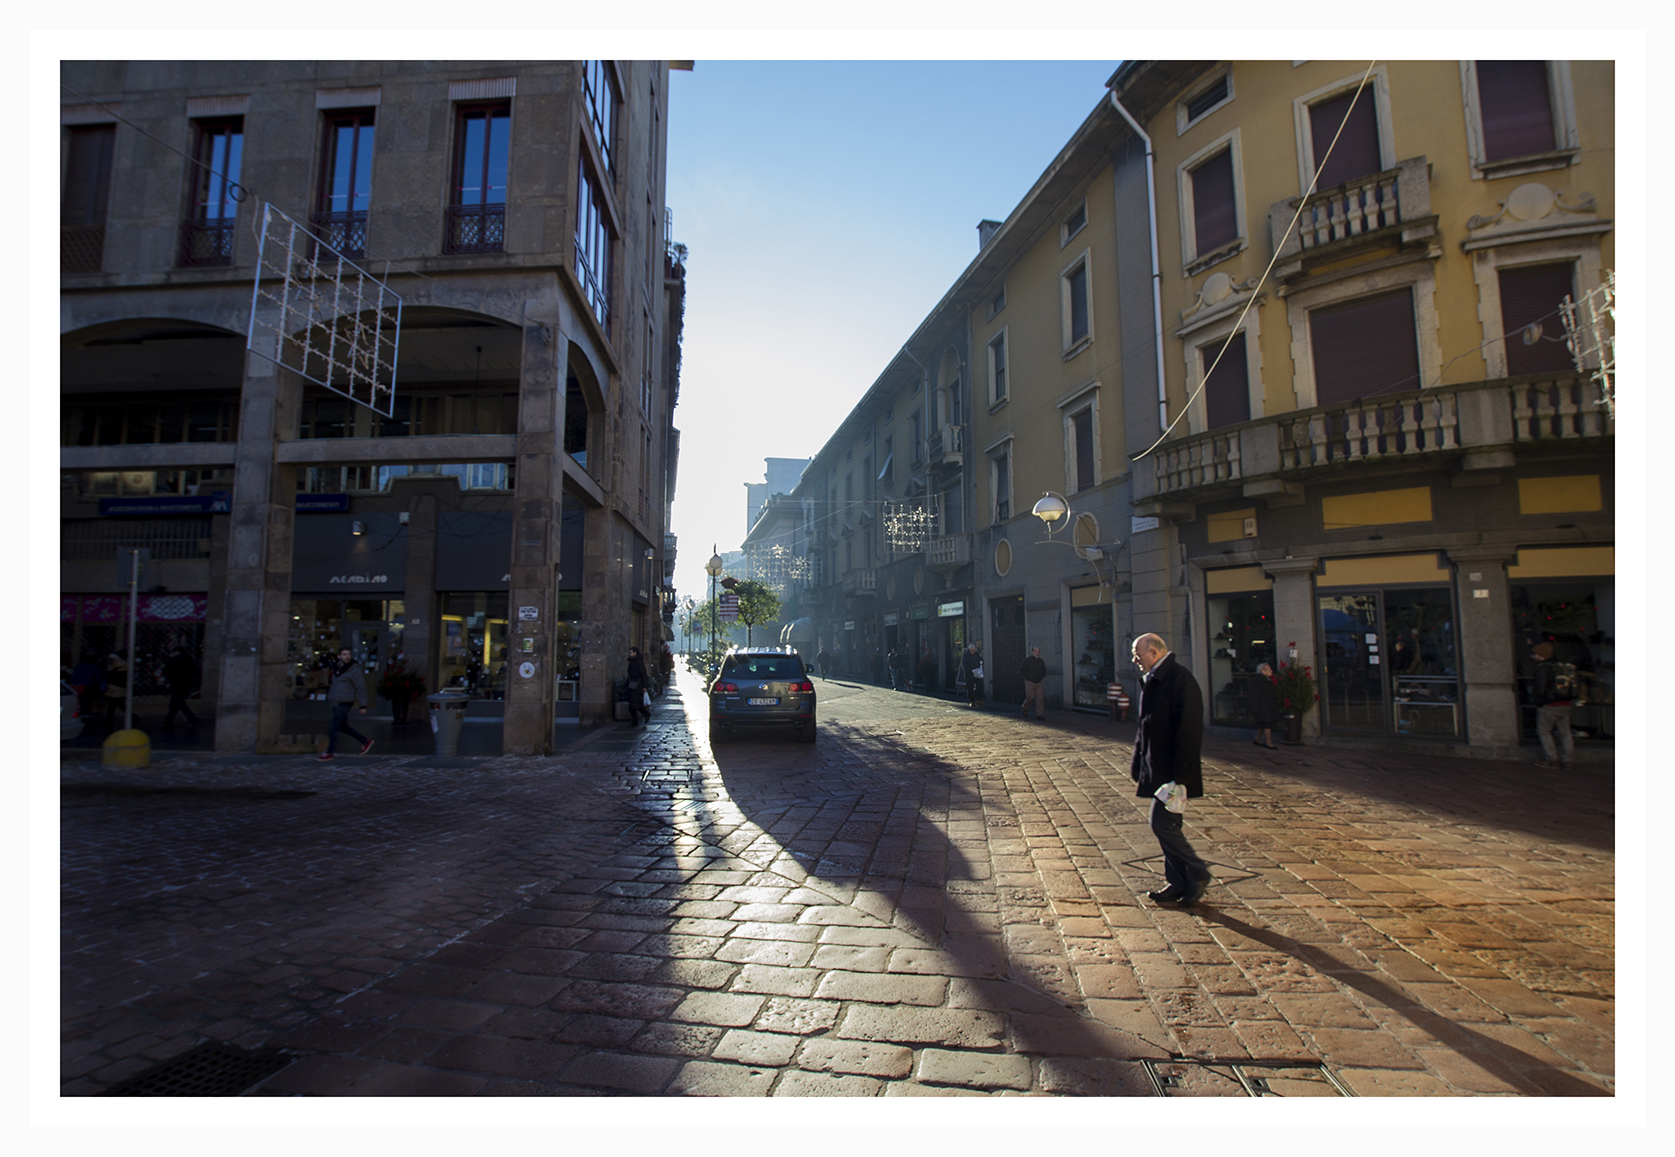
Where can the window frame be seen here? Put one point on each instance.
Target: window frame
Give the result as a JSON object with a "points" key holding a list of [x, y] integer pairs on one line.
{"points": [[594, 233], [201, 179], [1070, 227], [1074, 345], [1185, 121], [999, 385], [1379, 86], [1419, 276], [603, 118], [326, 218], [999, 455], [1567, 140], [1211, 331], [1084, 401], [1192, 261], [1487, 264], [484, 208]]}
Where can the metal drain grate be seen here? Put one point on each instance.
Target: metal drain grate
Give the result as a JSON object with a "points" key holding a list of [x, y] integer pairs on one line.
{"points": [[1184, 1078], [210, 1070]]}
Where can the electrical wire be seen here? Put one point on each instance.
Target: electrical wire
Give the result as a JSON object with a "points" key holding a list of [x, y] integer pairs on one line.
{"points": [[1279, 246]]}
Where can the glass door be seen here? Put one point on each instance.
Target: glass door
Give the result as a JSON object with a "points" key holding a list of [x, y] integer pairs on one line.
{"points": [[367, 641], [1352, 693]]}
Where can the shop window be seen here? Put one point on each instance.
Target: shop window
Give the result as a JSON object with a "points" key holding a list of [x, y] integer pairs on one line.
{"points": [[1093, 648], [372, 629], [1578, 617], [1388, 663], [1243, 640], [473, 651]]}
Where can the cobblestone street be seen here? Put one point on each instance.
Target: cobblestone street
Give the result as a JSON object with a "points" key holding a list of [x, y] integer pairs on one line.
{"points": [[930, 901]]}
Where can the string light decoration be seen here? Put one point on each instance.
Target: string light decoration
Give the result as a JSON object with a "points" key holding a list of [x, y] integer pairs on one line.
{"points": [[330, 321], [910, 524], [1590, 331]]}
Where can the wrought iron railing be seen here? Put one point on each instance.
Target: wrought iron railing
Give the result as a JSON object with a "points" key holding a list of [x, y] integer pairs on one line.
{"points": [[81, 248], [207, 241], [476, 229], [343, 233]]}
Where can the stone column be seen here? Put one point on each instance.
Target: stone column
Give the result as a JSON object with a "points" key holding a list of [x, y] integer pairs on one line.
{"points": [[605, 626], [1488, 666], [420, 596], [256, 613], [536, 519], [1294, 620]]}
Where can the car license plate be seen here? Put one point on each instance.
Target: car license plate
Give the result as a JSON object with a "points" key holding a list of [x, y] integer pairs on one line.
{"points": [[764, 702]]}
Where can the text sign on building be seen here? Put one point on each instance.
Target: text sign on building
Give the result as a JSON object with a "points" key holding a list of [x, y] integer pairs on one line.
{"points": [[528, 614], [950, 610], [890, 619]]}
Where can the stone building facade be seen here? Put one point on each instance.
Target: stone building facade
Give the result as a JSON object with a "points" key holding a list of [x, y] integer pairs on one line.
{"points": [[503, 527]]}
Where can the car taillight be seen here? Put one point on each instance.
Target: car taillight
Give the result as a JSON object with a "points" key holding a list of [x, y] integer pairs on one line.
{"points": [[802, 688], [730, 688]]}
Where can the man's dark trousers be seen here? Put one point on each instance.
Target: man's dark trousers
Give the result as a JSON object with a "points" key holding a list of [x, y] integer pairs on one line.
{"points": [[340, 722], [1181, 865]]}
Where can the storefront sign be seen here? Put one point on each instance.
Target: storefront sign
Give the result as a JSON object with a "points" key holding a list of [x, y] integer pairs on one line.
{"points": [[950, 610], [316, 503], [850, 625], [921, 613], [890, 619], [328, 558], [528, 614], [218, 503]]}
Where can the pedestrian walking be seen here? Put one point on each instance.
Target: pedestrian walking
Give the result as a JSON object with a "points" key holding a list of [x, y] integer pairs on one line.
{"points": [[894, 662], [904, 670], [88, 679], [1034, 671], [1265, 706], [665, 667], [1167, 766], [116, 685], [181, 674], [1555, 690], [637, 693], [823, 663], [347, 691], [971, 671]]}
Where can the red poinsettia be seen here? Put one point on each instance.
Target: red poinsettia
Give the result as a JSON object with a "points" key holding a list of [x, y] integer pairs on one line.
{"points": [[1296, 686]]}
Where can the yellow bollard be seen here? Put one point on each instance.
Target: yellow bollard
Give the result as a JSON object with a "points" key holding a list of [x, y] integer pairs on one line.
{"points": [[127, 749]]}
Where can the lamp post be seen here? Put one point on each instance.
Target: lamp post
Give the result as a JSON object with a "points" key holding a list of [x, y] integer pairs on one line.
{"points": [[713, 569]]}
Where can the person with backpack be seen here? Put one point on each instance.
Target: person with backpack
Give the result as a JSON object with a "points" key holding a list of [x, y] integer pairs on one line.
{"points": [[1556, 686]]}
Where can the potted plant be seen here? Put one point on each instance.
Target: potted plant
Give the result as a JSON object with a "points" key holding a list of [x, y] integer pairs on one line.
{"points": [[400, 686], [1297, 695]]}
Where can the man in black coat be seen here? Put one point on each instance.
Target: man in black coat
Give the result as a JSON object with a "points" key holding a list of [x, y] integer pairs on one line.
{"points": [[1166, 751]]}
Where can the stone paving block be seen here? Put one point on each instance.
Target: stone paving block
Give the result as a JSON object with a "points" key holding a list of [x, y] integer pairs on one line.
{"points": [[974, 1070], [837, 915], [637, 1001], [1392, 1083], [709, 1079], [1094, 1077], [885, 988], [801, 1017], [644, 1076], [956, 1028], [851, 958], [796, 1083], [783, 953], [406, 1081], [867, 1058], [687, 1040], [1357, 1048], [514, 989], [501, 1056], [756, 1048], [1137, 1018], [406, 1044], [771, 980], [1077, 1036], [600, 1032], [763, 930], [452, 1015], [727, 1010], [319, 1076]]}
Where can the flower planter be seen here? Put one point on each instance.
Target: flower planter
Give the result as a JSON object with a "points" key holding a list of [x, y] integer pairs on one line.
{"points": [[1293, 729]]}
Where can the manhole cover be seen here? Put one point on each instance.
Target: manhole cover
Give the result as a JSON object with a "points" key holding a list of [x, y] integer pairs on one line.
{"points": [[210, 1070], [1184, 1078]]}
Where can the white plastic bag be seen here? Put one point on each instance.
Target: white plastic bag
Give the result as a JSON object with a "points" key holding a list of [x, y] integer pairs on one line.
{"points": [[1173, 797]]}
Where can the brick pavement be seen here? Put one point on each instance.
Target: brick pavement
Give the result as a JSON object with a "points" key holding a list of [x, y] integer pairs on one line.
{"points": [[930, 901]]}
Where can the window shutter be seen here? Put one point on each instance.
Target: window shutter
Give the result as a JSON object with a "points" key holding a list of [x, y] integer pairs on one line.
{"points": [[1531, 295], [1516, 108], [1214, 220], [1227, 388], [1356, 154], [1364, 347], [1083, 424]]}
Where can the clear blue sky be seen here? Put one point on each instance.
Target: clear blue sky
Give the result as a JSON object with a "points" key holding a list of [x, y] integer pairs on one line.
{"points": [[827, 207]]}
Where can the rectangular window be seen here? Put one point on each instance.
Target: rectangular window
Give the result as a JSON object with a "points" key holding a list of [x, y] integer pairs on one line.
{"points": [[594, 244], [1081, 446], [1215, 221], [599, 84], [997, 368], [87, 181], [477, 199], [1000, 484], [1212, 97], [1356, 153], [1535, 337], [1517, 108], [345, 182], [1073, 224], [1074, 294], [206, 236], [1364, 347], [998, 303], [1227, 386]]}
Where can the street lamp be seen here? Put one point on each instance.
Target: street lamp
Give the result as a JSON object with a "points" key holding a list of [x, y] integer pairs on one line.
{"points": [[713, 569]]}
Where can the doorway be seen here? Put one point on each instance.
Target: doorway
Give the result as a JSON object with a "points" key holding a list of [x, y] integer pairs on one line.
{"points": [[1007, 638], [1389, 662]]}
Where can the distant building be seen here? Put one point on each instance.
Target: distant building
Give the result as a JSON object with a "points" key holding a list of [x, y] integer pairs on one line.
{"points": [[781, 477], [504, 528]]}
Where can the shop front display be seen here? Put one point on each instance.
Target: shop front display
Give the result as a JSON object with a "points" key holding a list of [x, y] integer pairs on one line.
{"points": [[1556, 600], [1093, 650], [1240, 604], [372, 629], [473, 648]]}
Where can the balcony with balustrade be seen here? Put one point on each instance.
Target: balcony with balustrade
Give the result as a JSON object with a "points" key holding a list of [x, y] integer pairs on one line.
{"points": [[1381, 210], [861, 581], [948, 552], [1471, 426], [945, 447]]}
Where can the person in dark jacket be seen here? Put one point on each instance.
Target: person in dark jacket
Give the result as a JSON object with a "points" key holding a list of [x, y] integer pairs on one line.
{"points": [[1555, 691], [1034, 671], [181, 674], [823, 661], [1167, 755], [637, 688], [88, 679], [347, 690], [970, 664], [1264, 706]]}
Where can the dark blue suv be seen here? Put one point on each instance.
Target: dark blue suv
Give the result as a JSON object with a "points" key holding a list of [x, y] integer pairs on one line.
{"points": [[759, 686]]}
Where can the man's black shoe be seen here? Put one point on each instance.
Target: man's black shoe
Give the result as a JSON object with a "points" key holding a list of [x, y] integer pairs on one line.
{"points": [[1198, 890], [1167, 896]]}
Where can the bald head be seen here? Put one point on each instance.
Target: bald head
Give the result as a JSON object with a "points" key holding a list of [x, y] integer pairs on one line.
{"points": [[1148, 649]]}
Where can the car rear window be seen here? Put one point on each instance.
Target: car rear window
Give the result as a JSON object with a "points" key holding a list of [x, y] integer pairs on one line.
{"points": [[766, 667]]}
